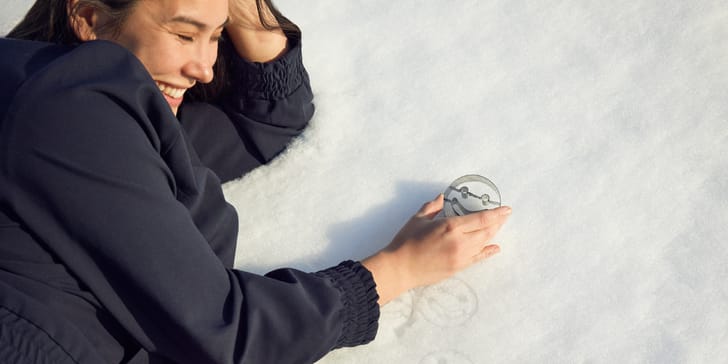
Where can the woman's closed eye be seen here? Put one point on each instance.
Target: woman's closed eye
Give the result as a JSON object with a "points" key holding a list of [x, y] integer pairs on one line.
{"points": [[185, 38], [190, 39]]}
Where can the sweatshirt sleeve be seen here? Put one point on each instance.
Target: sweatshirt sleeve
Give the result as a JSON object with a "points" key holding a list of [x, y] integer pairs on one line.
{"points": [[267, 105], [95, 166]]}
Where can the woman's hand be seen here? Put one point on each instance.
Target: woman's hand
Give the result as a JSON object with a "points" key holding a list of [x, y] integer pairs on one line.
{"points": [[427, 250], [250, 37]]}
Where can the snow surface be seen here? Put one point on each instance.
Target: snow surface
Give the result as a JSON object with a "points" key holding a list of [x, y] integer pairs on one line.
{"points": [[605, 126]]}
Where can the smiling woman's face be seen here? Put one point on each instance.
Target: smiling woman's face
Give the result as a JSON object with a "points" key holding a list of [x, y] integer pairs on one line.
{"points": [[176, 40]]}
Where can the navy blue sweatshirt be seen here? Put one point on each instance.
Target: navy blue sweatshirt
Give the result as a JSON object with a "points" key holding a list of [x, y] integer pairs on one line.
{"points": [[115, 239]]}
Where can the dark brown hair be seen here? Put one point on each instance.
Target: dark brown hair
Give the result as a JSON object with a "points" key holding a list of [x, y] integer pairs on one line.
{"points": [[49, 21]]}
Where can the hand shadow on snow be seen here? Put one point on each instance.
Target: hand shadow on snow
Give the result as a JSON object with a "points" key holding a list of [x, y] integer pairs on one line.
{"points": [[358, 238]]}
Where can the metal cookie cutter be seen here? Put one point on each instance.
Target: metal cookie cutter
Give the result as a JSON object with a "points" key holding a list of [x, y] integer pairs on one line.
{"points": [[471, 193]]}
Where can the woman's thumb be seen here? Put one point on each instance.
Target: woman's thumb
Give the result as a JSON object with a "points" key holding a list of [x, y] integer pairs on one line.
{"points": [[431, 208]]}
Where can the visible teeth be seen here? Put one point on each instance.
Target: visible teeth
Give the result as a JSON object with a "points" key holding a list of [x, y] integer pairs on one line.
{"points": [[170, 91]]}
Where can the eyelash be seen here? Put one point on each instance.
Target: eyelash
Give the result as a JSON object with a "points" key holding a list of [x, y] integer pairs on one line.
{"points": [[186, 38]]}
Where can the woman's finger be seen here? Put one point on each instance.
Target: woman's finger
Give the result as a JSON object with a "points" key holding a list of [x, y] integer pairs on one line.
{"points": [[476, 239], [487, 252], [481, 219]]}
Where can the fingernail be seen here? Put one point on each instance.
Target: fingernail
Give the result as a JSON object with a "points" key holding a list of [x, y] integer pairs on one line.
{"points": [[505, 210]]}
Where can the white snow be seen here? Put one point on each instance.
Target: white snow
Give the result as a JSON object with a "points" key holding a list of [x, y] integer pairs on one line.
{"points": [[12, 12], [605, 126]]}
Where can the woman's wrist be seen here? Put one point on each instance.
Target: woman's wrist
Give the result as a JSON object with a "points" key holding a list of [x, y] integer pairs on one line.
{"points": [[258, 46], [389, 275]]}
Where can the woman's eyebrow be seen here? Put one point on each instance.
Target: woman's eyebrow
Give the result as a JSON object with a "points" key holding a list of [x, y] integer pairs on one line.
{"points": [[200, 25]]}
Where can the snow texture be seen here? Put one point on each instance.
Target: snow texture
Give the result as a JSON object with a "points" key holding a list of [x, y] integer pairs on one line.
{"points": [[605, 126]]}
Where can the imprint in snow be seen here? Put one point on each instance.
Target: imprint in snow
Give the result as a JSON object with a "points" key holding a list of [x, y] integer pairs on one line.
{"points": [[446, 357], [397, 316], [448, 303]]}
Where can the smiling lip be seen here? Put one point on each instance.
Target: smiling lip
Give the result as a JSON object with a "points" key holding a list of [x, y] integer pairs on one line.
{"points": [[173, 95], [174, 103]]}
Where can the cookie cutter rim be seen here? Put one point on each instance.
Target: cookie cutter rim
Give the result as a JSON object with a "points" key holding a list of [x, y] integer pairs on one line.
{"points": [[448, 207]]}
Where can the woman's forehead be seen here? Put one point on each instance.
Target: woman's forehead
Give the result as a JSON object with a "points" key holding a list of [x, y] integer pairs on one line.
{"points": [[207, 13]]}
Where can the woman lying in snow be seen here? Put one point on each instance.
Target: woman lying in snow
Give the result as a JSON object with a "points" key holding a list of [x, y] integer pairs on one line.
{"points": [[116, 243]]}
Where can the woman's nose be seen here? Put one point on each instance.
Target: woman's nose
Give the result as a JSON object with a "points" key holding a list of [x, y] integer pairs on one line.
{"points": [[199, 67], [199, 71]]}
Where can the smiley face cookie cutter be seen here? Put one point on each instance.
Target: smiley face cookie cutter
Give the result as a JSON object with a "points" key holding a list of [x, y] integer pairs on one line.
{"points": [[471, 193]]}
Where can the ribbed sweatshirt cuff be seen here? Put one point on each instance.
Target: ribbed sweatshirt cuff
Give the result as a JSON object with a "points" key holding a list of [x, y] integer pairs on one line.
{"points": [[360, 301], [271, 80]]}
